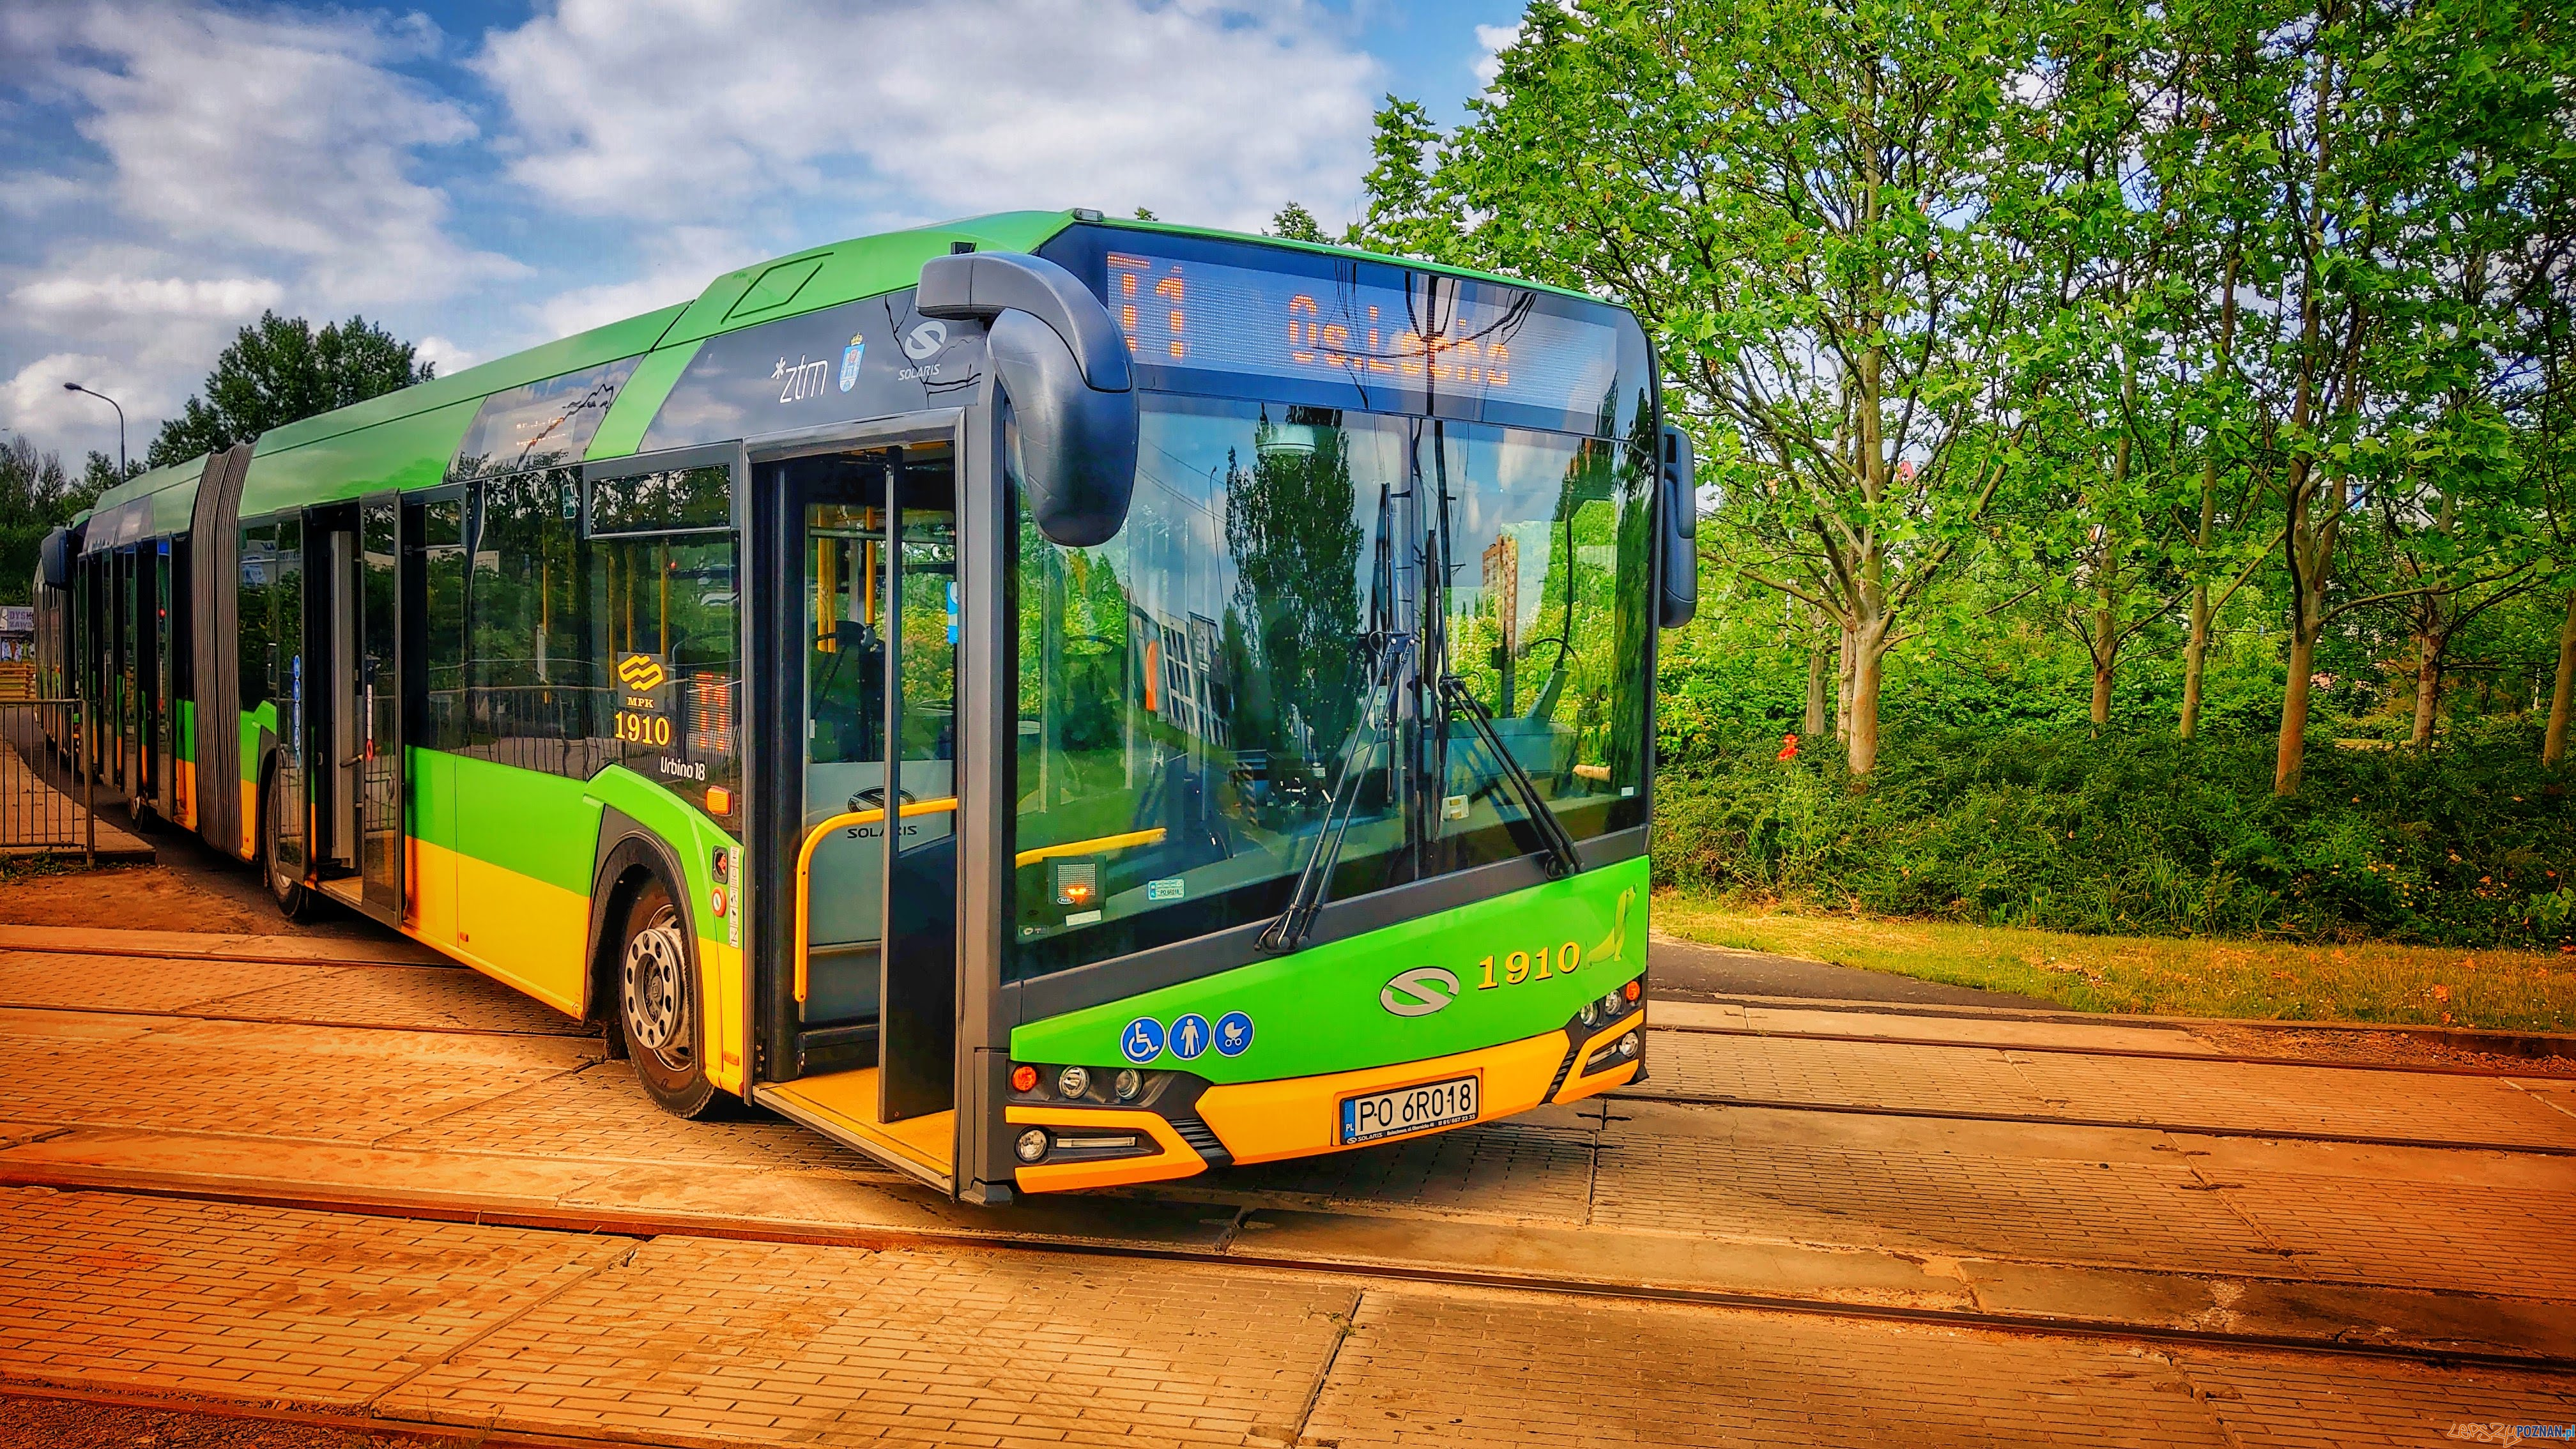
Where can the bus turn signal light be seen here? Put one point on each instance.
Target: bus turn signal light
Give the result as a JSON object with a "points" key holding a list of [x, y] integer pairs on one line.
{"points": [[1024, 1079], [719, 800], [1633, 990]]}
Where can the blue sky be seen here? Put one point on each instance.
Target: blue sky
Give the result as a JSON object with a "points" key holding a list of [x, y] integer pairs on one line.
{"points": [[484, 175]]}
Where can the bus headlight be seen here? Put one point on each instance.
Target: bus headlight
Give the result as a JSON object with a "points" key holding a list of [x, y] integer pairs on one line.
{"points": [[1611, 1005], [1072, 1082], [1591, 1013], [1129, 1083], [1031, 1146]]}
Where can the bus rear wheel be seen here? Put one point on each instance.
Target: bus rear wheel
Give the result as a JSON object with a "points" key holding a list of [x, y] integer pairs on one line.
{"points": [[657, 1004]]}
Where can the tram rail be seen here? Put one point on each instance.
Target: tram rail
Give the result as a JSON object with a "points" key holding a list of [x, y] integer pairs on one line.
{"points": [[2125, 1124], [1227, 1252]]}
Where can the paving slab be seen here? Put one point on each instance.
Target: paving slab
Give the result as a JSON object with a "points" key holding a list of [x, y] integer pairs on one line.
{"points": [[1462, 1371], [697, 1341], [2180, 1094]]}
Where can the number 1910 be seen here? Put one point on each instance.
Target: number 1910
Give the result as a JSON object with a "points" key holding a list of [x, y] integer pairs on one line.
{"points": [[644, 729], [1519, 966]]}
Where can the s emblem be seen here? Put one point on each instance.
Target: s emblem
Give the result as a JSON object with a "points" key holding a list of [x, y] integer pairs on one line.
{"points": [[1418, 992], [922, 341]]}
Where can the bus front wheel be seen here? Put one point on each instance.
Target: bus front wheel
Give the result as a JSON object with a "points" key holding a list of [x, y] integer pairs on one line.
{"points": [[657, 1004]]}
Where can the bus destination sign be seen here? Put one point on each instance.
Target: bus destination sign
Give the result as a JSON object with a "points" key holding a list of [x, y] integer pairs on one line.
{"points": [[1434, 334]]}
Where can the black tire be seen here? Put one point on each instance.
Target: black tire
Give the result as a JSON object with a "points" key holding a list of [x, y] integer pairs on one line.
{"points": [[655, 979], [293, 901]]}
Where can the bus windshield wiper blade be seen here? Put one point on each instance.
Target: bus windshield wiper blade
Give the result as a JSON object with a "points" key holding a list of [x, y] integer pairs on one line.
{"points": [[1562, 858], [1315, 880]]}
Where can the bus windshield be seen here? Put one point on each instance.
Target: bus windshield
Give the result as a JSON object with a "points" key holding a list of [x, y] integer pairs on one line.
{"points": [[1192, 693]]}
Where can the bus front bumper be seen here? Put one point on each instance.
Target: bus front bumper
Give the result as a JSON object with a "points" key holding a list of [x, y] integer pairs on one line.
{"points": [[1301, 1116]]}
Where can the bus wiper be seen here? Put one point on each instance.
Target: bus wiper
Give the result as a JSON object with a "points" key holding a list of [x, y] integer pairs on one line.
{"points": [[1315, 880], [1562, 860]]}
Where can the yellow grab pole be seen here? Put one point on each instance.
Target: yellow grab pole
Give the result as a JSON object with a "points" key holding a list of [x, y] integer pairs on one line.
{"points": [[805, 867]]}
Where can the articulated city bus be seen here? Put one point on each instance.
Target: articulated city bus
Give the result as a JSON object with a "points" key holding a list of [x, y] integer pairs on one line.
{"points": [[1049, 703]]}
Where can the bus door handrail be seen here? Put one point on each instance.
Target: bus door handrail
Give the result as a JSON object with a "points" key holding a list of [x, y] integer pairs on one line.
{"points": [[805, 867]]}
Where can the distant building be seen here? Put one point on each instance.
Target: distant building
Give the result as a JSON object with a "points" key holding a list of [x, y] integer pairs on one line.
{"points": [[17, 651]]}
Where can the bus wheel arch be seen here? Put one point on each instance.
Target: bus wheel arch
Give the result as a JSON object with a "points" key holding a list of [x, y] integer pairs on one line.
{"points": [[292, 899], [645, 987]]}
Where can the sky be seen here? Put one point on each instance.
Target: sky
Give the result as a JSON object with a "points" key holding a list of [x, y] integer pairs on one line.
{"points": [[489, 174]]}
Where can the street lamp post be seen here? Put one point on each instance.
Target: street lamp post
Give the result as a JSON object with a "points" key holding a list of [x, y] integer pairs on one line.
{"points": [[121, 471]]}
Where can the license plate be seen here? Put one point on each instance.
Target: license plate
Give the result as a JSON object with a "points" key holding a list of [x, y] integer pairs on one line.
{"points": [[1374, 1115]]}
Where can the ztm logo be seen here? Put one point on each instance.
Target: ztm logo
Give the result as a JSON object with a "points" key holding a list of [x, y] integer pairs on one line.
{"points": [[640, 672]]}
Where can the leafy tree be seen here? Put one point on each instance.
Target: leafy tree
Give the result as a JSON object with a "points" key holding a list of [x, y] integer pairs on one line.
{"points": [[1295, 223], [36, 496], [1800, 204], [278, 371]]}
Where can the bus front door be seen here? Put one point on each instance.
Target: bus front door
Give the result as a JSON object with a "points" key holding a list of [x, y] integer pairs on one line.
{"points": [[869, 683]]}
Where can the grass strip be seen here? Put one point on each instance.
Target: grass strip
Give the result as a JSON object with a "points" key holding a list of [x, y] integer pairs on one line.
{"points": [[2248, 980]]}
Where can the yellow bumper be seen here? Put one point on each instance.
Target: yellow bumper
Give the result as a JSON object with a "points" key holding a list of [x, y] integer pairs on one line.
{"points": [[1301, 1116]]}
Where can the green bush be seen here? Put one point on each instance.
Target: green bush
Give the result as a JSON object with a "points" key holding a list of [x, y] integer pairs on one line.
{"points": [[2138, 835]]}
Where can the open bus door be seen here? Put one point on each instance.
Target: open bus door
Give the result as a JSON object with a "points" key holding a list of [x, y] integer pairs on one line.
{"points": [[356, 724], [861, 629]]}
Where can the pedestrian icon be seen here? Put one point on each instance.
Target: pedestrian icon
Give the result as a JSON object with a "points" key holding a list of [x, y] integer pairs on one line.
{"points": [[1189, 1036], [1143, 1040], [1233, 1033]]}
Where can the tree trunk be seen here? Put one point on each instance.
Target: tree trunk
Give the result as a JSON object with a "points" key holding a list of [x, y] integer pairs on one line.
{"points": [[2106, 658], [2553, 746], [2194, 655], [2291, 759], [1843, 690], [1864, 710], [1814, 725], [2428, 688]]}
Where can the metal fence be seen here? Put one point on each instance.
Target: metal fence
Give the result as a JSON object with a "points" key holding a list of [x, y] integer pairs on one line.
{"points": [[47, 797]]}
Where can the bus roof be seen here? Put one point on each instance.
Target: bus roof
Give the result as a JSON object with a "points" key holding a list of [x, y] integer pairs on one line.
{"points": [[406, 438]]}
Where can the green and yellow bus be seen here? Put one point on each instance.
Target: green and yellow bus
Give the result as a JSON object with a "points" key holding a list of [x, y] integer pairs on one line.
{"points": [[1049, 703]]}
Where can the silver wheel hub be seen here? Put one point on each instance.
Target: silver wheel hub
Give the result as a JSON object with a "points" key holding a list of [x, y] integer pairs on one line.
{"points": [[657, 1012]]}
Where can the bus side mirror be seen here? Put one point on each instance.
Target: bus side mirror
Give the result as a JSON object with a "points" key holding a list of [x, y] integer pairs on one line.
{"points": [[1060, 363], [1679, 531]]}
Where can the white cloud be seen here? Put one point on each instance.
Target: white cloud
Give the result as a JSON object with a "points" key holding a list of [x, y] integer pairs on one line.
{"points": [[447, 356], [236, 161], [1493, 40], [81, 300], [679, 263], [34, 402], [671, 108], [274, 133]]}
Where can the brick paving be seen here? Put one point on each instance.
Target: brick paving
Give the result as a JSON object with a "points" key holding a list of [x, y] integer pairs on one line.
{"points": [[145, 984], [103, 1291], [419, 998], [307, 1083], [687, 1341], [600, 1113], [758, 1343]]}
